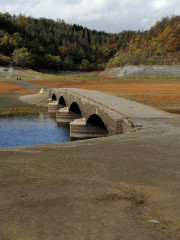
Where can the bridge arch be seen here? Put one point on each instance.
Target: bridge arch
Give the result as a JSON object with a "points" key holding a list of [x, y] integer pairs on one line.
{"points": [[75, 108], [95, 120], [54, 97], [62, 101]]}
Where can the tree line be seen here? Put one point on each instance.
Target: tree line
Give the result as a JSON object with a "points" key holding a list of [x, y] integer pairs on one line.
{"points": [[158, 45], [48, 44]]}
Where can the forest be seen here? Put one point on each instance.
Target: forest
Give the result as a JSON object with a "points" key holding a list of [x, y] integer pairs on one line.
{"points": [[47, 44], [158, 45], [55, 45]]}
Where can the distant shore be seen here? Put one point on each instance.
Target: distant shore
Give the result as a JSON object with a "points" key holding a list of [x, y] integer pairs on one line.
{"points": [[143, 71]]}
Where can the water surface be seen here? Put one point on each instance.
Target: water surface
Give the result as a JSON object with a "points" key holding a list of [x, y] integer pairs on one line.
{"points": [[31, 130]]}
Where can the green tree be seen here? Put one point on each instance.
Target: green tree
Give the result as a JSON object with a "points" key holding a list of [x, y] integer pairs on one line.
{"points": [[68, 63], [63, 51], [18, 40], [53, 62], [21, 57], [85, 65], [7, 44]]}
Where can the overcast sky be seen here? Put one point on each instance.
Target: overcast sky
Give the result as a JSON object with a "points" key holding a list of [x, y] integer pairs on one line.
{"points": [[107, 15]]}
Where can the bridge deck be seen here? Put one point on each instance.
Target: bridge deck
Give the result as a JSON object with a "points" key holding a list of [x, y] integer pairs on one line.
{"points": [[119, 105], [118, 114]]}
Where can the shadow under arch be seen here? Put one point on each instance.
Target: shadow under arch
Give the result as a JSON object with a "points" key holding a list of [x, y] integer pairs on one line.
{"points": [[62, 101], [96, 121], [54, 97], [75, 108]]}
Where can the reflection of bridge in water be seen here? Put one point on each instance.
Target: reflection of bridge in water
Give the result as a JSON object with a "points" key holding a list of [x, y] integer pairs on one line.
{"points": [[95, 114]]}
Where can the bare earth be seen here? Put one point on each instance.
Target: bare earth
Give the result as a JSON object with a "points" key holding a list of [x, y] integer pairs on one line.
{"points": [[115, 188]]}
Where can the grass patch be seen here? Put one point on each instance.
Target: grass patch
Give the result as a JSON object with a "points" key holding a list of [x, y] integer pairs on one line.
{"points": [[9, 112], [142, 79], [69, 77], [75, 77], [89, 75], [15, 76], [3, 78]]}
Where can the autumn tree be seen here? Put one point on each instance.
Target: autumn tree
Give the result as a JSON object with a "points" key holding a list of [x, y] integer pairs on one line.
{"points": [[4, 60], [53, 62], [85, 65], [63, 51], [21, 57]]}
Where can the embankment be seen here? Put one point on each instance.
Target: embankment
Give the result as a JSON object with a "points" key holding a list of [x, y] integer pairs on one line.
{"points": [[143, 71]]}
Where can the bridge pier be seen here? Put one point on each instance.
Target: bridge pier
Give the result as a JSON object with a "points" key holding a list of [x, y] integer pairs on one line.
{"points": [[64, 115], [80, 129], [53, 107], [101, 113]]}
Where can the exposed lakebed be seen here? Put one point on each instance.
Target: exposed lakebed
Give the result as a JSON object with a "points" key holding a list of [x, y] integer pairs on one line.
{"points": [[31, 130]]}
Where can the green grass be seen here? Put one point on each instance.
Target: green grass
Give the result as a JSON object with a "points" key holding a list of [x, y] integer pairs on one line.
{"points": [[70, 76], [143, 79], [18, 73], [14, 76], [95, 75], [82, 76], [89, 75], [2, 78], [18, 112]]}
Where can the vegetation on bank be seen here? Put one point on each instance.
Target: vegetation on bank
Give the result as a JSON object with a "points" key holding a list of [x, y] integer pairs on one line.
{"points": [[10, 112], [48, 44], [159, 45]]}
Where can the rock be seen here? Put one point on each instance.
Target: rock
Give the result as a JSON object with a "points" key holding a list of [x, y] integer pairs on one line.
{"points": [[153, 221]]}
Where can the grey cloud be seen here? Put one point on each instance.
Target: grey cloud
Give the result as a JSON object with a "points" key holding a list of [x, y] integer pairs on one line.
{"points": [[111, 16]]}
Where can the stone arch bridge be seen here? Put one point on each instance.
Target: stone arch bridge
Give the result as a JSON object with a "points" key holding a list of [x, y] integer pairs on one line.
{"points": [[88, 116], [94, 114]]}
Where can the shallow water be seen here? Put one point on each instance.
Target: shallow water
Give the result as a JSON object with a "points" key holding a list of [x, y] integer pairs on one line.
{"points": [[31, 130]]}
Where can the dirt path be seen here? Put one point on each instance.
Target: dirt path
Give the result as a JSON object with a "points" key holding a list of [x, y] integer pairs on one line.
{"points": [[12, 74]]}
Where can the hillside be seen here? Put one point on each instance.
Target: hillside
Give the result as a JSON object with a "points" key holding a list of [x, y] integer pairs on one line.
{"points": [[158, 46], [55, 45], [48, 44]]}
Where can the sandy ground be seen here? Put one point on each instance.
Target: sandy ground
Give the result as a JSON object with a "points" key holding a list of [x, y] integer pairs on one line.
{"points": [[121, 187]]}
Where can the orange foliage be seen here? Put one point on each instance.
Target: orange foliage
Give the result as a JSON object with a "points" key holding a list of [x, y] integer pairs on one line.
{"points": [[173, 44], [153, 46]]}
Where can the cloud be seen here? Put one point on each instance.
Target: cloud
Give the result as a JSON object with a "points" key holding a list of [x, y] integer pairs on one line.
{"points": [[159, 4], [111, 16]]}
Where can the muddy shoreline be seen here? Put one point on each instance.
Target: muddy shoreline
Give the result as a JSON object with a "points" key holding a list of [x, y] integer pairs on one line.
{"points": [[12, 105], [85, 189]]}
